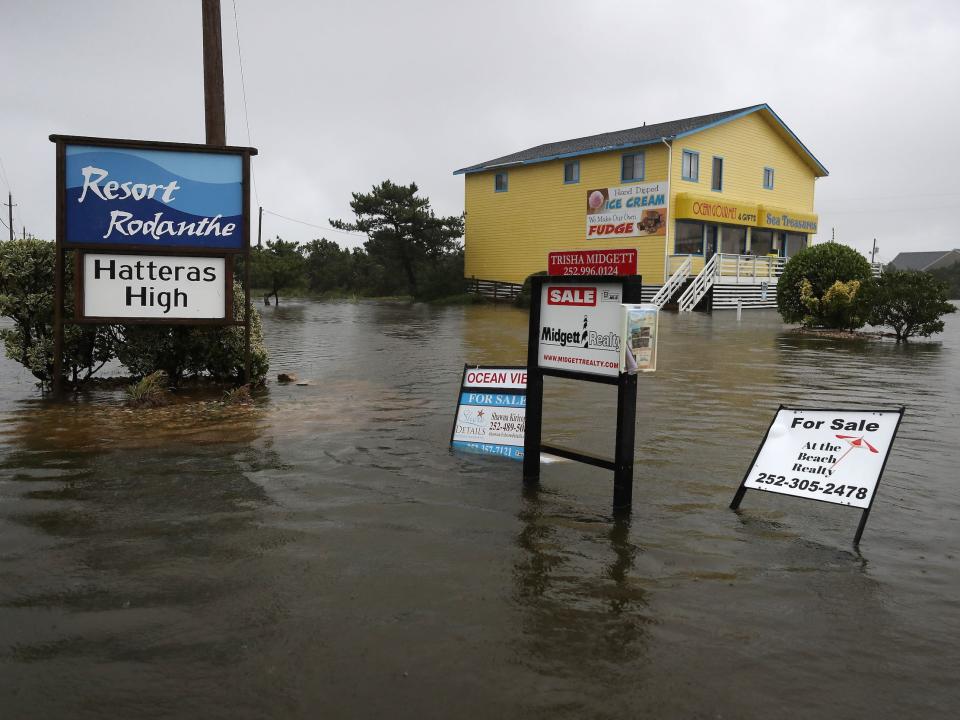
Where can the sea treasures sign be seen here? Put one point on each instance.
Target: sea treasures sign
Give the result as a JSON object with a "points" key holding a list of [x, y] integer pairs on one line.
{"points": [[580, 327], [835, 456], [635, 210], [491, 411], [153, 286], [151, 197]]}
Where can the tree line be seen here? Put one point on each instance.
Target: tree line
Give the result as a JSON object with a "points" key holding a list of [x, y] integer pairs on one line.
{"points": [[409, 251]]}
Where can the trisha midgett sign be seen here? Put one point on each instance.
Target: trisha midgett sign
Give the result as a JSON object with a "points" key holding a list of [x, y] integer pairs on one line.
{"points": [[143, 196]]}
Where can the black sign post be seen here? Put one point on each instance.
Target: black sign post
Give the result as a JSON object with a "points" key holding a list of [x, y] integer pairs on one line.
{"points": [[626, 383]]}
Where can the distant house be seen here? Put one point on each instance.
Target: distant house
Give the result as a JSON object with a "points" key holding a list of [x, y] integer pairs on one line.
{"points": [[925, 260]]}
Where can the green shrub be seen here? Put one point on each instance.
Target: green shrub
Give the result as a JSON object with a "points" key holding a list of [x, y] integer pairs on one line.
{"points": [[807, 291], [912, 303], [26, 296], [522, 300]]}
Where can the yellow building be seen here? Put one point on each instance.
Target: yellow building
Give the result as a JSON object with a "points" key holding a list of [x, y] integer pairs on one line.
{"points": [[712, 205]]}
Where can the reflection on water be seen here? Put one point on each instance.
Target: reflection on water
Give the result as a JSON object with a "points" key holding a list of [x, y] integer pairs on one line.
{"points": [[322, 552]]}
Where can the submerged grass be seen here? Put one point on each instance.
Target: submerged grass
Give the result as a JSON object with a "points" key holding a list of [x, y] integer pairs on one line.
{"points": [[149, 391]]}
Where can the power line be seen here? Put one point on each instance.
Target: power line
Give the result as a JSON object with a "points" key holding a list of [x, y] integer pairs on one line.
{"points": [[6, 180], [313, 225], [243, 88]]}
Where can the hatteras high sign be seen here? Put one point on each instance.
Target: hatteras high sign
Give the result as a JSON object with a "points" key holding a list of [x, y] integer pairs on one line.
{"points": [[156, 228]]}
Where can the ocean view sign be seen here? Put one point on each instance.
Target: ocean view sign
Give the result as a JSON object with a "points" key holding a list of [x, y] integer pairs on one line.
{"points": [[153, 286], [491, 411], [145, 197], [634, 210]]}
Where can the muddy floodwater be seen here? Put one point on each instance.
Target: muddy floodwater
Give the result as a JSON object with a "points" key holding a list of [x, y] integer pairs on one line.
{"points": [[323, 554]]}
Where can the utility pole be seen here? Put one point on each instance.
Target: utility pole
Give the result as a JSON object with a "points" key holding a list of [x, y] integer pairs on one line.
{"points": [[873, 253], [833, 234], [10, 212], [259, 227], [214, 115]]}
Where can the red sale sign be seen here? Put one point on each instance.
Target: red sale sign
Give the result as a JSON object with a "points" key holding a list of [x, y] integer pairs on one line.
{"points": [[593, 262]]}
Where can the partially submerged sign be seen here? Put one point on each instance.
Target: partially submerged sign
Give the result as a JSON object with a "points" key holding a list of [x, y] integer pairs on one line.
{"points": [[835, 456], [580, 326], [491, 411]]}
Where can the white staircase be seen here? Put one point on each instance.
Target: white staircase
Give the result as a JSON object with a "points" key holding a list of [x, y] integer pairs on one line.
{"points": [[676, 281], [701, 285]]}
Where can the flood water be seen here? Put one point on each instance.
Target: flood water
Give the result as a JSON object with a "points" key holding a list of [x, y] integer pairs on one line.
{"points": [[323, 554]]}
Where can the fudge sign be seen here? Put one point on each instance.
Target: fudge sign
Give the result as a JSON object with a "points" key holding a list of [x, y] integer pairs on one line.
{"points": [[153, 286], [147, 197], [835, 456]]}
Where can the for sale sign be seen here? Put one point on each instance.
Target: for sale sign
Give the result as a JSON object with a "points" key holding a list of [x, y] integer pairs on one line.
{"points": [[580, 327], [835, 456], [491, 411], [593, 262]]}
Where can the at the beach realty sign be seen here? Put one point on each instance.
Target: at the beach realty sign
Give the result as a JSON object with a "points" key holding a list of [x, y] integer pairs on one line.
{"points": [[835, 456], [491, 411], [635, 210], [156, 225]]}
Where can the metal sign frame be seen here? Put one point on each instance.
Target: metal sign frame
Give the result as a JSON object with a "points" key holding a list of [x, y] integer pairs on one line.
{"points": [[742, 489], [228, 254], [626, 383]]}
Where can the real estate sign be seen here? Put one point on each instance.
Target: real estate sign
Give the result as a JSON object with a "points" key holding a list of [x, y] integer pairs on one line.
{"points": [[580, 327], [491, 411]]}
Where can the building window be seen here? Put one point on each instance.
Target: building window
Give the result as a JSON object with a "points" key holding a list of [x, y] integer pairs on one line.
{"points": [[690, 166], [632, 167], [717, 182], [689, 238], [761, 242], [768, 178], [795, 243], [500, 182], [571, 172], [734, 240]]}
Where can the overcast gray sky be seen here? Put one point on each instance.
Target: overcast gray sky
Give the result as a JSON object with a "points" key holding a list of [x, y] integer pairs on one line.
{"points": [[342, 95]]}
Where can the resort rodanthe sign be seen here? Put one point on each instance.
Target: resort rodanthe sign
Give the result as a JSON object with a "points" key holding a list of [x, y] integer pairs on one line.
{"points": [[155, 228]]}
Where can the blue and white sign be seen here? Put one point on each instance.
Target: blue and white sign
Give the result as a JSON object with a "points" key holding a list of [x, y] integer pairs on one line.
{"points": [[147, 197], [492, 411]]}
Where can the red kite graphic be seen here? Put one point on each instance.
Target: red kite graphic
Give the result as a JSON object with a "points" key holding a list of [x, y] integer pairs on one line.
{"points": [[855, 442]]}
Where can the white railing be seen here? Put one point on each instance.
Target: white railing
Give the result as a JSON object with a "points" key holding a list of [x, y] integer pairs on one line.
{"points": [[674, 283], [750, 268], [700, 285]]}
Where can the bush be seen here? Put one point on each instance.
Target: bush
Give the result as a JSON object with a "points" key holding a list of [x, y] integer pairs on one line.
{"points": [[808, 291], [912, 303], [26, 296], [522, 300], [149, 391]]}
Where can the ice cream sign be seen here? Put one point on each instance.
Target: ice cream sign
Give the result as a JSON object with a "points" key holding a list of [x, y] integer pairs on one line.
{"points": [[635, 210], [118, 196]]}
